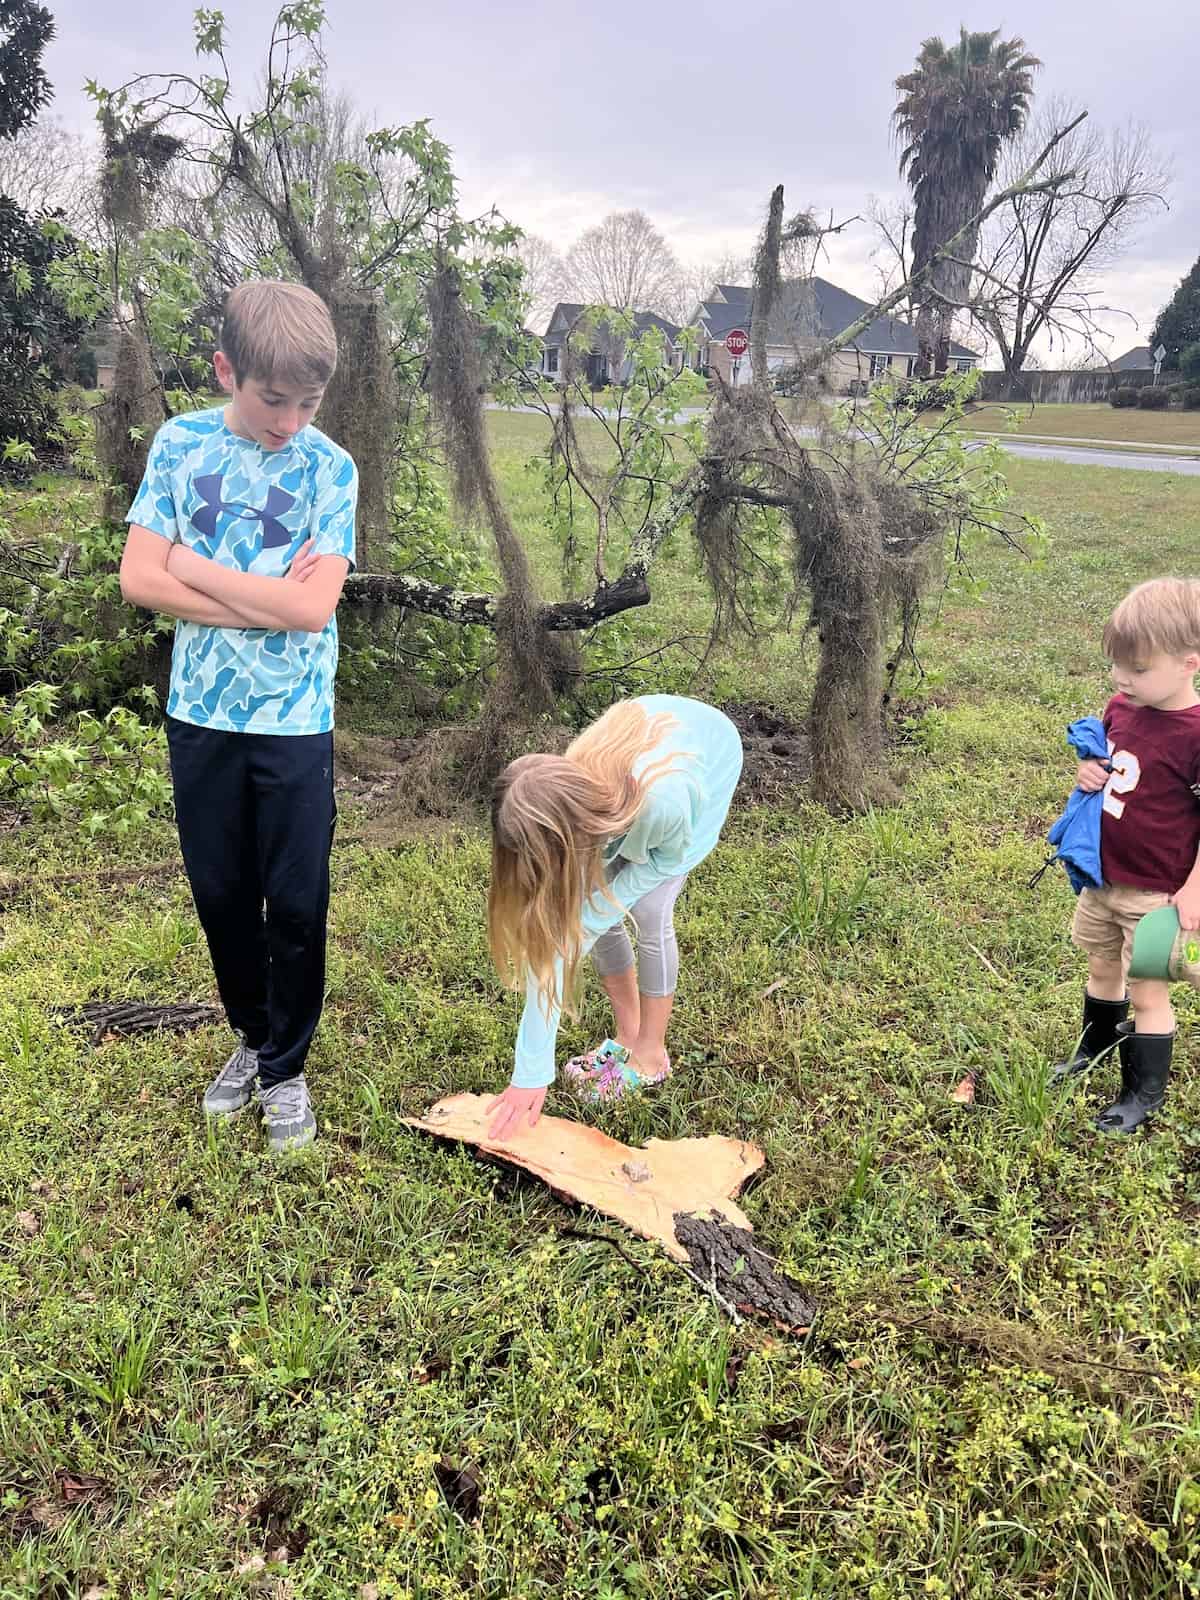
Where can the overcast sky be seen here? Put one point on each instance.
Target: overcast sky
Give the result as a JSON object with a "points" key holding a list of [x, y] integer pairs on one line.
{"points": [[558, 114]]}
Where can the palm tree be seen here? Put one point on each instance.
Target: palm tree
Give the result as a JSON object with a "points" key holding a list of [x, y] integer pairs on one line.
{"points": [[957, 108]]}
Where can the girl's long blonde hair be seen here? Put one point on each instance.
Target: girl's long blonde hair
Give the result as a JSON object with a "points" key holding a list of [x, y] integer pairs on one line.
{"points": [[551, 818]]}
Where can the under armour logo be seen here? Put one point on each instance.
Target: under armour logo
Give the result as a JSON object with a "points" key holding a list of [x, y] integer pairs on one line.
{"points": [[278, 501]]}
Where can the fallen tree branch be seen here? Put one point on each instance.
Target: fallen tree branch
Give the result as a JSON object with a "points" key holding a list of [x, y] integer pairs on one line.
{"points": [[419, 594], [727, 1263], [630, 589], [455, 605], [120, 1018]]}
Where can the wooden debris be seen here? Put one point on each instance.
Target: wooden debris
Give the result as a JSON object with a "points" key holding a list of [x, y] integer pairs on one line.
{"points": [[677, 1191], [963, 1093], [726, 1262], [109, 1019], [582, 1164]]}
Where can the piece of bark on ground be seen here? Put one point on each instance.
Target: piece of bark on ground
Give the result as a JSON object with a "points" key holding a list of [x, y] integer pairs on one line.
{"points": [[728, 1263], [120, 1018], [644, 1187]]}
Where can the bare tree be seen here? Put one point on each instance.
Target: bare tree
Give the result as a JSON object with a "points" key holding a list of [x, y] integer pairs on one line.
{"points": [[48, 167], [624, 262], [892, 223], [545, 277], [892, 254], [1042, 254], [698, 278]]}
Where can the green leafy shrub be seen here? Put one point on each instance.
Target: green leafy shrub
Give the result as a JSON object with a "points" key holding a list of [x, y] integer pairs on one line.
{"points": [[108, 772], [74, 660]]}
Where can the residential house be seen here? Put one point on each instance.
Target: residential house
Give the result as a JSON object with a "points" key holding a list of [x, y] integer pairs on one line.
{"points": [[1138, 359], [103, 342], [607, 360], [808, 312]]}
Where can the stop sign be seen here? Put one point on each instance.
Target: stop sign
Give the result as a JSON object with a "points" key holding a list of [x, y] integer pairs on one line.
{"points": [[737, 342]]}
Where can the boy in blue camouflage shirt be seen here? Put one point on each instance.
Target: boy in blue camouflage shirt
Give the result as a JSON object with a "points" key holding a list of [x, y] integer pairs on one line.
{"points": [[243, 529]]}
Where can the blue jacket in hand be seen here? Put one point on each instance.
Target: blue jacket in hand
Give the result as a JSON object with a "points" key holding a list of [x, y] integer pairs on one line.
{"points": [[1076, 834]]}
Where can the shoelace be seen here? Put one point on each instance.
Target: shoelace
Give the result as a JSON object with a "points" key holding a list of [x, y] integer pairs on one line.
{"points": [[286, 1101], [237, 1064]]}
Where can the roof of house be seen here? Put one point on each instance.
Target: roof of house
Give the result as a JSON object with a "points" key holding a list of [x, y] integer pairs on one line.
{"points": [[814, 308], [1134, 359], [569, 313]]}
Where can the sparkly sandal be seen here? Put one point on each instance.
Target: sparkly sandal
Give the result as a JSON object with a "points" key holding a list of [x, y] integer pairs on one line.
{"points": [[606, 1073]]}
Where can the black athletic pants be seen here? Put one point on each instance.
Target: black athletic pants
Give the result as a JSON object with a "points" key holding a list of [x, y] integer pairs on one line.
{"points": [[256, 815]]}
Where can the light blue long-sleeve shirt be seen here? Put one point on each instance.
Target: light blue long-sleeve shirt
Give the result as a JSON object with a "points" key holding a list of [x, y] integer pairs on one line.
{"points": [[676, 828]]}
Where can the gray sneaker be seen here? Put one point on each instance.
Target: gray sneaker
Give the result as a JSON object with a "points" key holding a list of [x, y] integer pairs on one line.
{"points": [[288, 1115], [232, 1089]]}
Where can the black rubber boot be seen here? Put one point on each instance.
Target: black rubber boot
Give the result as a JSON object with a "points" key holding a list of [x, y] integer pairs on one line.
{"points": [[1145, 1068], [1101, 1020]]}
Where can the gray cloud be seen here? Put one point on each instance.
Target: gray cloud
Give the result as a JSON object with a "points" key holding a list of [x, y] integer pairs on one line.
{"points": [[557, 115]]}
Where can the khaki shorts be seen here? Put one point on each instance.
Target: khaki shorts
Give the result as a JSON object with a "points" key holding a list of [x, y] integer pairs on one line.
{"points": [[1105, 920]]}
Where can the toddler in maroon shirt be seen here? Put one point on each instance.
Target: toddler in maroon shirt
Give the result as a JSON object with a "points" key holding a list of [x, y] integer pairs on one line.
{"points": [[1149, 837]]}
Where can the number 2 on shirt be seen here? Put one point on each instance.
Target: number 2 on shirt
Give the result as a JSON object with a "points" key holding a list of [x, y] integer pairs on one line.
{"points": [[1126, 772]]}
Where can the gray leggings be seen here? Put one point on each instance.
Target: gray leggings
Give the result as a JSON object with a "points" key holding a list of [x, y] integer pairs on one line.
{"points": [[658, 952]]}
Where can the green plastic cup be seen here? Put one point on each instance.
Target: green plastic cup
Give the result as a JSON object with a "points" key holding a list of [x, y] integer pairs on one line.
{"points": [[1162, 950]]}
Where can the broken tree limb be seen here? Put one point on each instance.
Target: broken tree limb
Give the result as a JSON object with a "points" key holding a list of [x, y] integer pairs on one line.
{"points": [[678, 1192], [631, 588], [419, 594], [728, 1263], [121, 1018], [479, 610]]}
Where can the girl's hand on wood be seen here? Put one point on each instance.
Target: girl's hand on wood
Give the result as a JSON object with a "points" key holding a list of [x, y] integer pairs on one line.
{"points": [[516, 1109]]}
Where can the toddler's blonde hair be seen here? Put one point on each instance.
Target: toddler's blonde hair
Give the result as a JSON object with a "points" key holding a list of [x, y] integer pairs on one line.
{"points": [[1161, 617]]}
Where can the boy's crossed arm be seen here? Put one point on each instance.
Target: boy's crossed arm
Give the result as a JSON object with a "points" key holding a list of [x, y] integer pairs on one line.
{"points": [[304, 600], [146, 582], [170, 577]]}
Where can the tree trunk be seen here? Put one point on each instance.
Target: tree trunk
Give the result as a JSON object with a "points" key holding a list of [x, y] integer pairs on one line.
{"points": [[126, 422], [361, 412], [846, 719], [926, 341]]}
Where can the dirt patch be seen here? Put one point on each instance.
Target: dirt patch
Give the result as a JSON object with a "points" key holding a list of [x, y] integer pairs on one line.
{"points": [[274, 1518], [777, 759], [404, 787], [396, 788], [400, 787]]}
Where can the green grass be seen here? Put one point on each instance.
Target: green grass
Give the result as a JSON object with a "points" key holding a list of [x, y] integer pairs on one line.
{"points": [[1175, 428], [206, 1358]]}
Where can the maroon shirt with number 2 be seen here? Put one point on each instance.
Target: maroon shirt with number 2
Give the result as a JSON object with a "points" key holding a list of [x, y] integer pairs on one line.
{"points": [[1150, 825]]}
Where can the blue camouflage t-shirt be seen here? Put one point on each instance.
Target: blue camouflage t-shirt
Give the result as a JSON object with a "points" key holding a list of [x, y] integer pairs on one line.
{"points": [[249, 508]]}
